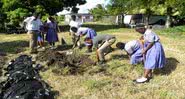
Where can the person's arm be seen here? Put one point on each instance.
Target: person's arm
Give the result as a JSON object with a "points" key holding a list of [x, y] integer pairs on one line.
{"points": [[56, 28], [150, 37], [141, 41], [148, 47], [97, 55], [128, 54]]}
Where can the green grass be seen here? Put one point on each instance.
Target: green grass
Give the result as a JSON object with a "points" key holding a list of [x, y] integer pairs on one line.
{"points": [[114, 81], [175, 32]]}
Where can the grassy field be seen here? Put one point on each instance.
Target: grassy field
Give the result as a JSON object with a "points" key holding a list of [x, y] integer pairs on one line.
{"points": [[114, 81]]}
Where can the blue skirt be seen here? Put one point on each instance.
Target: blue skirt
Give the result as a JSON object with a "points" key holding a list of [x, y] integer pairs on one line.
{"points": [[39, 38], [155, 56], [51, 35], [136, 57]]}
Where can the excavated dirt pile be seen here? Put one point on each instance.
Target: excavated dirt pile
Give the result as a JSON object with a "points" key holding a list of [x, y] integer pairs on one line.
{"points": [[66, 62], [2, 61]]}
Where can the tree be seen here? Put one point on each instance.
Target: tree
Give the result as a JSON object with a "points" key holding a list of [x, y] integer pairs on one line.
{"points": [[51, 7], [14, 17], [98, 12], [172, 7], [132, 7], [168, 8]]}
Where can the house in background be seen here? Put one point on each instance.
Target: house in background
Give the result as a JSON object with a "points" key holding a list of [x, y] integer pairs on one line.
{"points": [[133, 20], [81, 17]]}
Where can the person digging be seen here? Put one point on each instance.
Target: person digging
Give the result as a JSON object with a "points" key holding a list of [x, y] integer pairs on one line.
{"points": [[100, 43]]}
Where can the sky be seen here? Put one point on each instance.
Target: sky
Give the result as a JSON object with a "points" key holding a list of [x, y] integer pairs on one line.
{"points": [[91, 4]]}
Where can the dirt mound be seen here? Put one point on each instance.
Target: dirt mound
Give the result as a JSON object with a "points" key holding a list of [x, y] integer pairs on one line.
{"points": [[2, 61], [66, 62]]}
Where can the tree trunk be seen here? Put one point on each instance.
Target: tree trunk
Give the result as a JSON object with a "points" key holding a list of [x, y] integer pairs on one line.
{"points": [[168, 19], [147, 19]]}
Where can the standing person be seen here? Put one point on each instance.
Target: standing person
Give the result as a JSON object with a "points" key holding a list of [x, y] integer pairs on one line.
{"points": [[51, 35], [33, 25], [74, 24], [154, 54], [133, 49], [40, 40], [104, 41]]}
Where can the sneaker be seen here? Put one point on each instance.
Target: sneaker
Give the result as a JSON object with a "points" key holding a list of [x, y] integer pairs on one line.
{"points": [[52, 48], [88, 51], [101, 62], [38, 46], [43, 48], [33, 52], [141, 80]]}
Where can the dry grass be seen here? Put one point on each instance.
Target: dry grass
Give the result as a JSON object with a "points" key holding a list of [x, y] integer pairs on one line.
{"points": [[114, 81]]}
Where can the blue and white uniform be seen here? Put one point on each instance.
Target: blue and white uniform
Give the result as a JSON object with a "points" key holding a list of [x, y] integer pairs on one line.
{"points": [[134, 48], [155, 56]]}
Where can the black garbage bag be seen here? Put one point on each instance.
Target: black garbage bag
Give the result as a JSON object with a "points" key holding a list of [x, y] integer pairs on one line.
{"points": [[24, 81], [29, 89]]}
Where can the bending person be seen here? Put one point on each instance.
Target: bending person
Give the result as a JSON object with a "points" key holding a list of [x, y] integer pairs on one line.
{"points": [[101, 43], [89, 35], [133, 50]]}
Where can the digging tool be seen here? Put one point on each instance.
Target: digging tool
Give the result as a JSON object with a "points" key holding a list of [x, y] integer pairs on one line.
{"points": [[76, 41], [63, 42]]}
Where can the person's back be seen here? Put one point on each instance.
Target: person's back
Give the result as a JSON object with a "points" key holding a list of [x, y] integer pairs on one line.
{"points": [[74, 23], [33, 24], [105, 41], [82, 30], [33, 27], [101, 38], [132, 46]]}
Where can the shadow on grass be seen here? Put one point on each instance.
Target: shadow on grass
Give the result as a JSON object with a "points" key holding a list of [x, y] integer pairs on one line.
{"points": [[119, 56], [96, 27], [14, 47], [64, 47], [171, 65]]}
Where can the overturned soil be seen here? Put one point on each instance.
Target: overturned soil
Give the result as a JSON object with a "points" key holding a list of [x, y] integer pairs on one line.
{"points": [[2, 61], [65, 62]]}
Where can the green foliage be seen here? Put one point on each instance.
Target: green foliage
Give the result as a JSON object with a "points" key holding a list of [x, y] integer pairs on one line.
{"points": [[17, 15], [59, 19], [175, 32], [98, 12], [147, 6], [18, 9]]}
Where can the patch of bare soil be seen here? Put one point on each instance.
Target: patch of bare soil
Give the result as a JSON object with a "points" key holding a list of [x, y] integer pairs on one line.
{"points": [[2, 61], [66, 62]]}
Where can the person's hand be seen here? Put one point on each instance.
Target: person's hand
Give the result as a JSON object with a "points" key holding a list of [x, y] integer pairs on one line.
{"points": [[143, 52], [94, 49]]}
